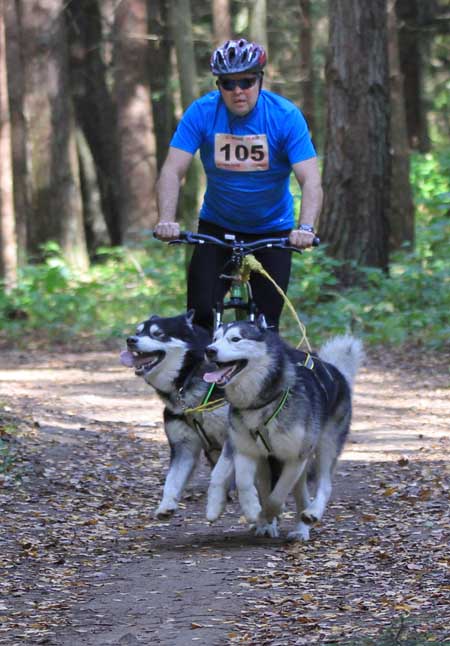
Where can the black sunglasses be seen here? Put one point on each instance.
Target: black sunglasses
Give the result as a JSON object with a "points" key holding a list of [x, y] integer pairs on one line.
{"points": [[244, 84]]}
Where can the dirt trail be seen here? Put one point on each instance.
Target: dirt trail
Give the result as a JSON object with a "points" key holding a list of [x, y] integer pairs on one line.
{"points": [[82, 561]]}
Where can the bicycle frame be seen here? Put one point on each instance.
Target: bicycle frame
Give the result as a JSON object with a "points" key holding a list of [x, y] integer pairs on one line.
{"points": [[243, 305]]}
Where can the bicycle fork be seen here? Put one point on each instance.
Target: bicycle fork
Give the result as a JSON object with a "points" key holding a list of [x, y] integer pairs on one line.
{"points": [[244, 306]]}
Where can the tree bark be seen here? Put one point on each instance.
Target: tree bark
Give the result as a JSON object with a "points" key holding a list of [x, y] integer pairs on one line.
{"points": [[160, 74], [97, 234], [306, 63], [56, 198], [411, 42], [95, 110], [354, 222], [258, 29], [221, 21], [8, 245], [135, 121], [258, 22], [401, 213], [16, 91], [181, 30]]}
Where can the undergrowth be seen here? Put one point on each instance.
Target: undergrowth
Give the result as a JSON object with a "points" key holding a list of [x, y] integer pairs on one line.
{"points": [[408, 306]]}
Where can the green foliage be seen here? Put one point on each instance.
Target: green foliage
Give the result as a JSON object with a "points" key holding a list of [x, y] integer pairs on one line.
{"points": [[430, 176], [410, 306], [55, 301]]}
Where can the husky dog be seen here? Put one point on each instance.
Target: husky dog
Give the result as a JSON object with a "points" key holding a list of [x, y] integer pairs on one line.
{"points": [[169, 353], [286, 404]]}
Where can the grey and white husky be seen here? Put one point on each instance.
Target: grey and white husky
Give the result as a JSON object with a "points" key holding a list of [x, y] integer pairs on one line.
{"points": [[169, 353], [288, 405]]}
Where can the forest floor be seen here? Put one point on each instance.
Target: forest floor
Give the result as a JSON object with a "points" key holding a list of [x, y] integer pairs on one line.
{"points": [[84, 563]]}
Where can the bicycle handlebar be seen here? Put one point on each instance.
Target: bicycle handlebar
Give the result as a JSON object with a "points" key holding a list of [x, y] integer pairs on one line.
{"points": [[189, 237]]}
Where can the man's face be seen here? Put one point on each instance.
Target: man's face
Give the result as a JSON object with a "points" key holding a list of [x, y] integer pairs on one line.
{"points": [[240, 101]]}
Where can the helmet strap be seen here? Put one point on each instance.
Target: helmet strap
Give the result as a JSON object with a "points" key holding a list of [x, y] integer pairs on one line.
{"points": [[261, 75]]}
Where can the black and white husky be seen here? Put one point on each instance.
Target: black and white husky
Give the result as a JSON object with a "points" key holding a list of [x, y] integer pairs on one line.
{"points": [[169, 353], [288, 405]]}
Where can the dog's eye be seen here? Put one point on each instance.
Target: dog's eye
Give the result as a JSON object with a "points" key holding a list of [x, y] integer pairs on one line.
{"points": [[235, 339], [157, 334]]}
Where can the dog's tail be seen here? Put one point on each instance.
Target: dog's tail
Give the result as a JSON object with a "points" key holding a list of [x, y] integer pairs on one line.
{"points": [[346, 353]]}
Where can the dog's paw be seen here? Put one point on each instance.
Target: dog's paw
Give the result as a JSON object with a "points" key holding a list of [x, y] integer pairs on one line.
{"points": [[300, 533], [249, 501], [217, 498], [263, 528], [309, 516], [272, 508], [213, 512], [166, 510]]}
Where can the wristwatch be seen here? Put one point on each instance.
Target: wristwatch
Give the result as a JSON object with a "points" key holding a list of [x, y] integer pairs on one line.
{"points": [[306, 227]]}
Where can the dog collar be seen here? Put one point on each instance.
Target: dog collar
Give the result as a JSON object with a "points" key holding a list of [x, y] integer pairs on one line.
{"points": [[207, 405]]}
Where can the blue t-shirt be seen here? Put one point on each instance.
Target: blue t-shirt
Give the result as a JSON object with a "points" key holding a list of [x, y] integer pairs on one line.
{"points": [[247, 172]]}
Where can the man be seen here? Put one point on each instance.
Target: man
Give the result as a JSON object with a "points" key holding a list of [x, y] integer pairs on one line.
{"points": [[250, 141]]}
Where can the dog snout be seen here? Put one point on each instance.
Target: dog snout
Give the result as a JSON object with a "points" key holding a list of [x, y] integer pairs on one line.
{"points": [[211, 353], [132, 340]]}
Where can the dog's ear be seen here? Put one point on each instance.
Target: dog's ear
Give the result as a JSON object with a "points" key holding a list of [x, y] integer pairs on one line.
{"points": [[190, 317], [153, 317], [261, 323]]}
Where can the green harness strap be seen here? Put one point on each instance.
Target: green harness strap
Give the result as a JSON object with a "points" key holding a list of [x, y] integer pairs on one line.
{"points": [[262, 433], [204, 407]]}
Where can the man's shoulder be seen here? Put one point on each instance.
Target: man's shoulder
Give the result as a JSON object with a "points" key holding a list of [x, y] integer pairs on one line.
{"points": [[207, 102], [279, 102]]}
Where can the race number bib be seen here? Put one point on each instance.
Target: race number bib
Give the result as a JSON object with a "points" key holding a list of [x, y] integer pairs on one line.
{"points": [[241, 152]]}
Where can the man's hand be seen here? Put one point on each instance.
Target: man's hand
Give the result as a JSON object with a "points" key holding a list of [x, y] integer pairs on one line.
{"points": [[301, 239], [167, 230]]}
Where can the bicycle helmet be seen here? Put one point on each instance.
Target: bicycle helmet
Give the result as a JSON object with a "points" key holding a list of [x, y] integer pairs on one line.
{"points": [[236, 56]]}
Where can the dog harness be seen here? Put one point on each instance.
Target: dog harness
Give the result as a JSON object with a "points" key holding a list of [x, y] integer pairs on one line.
{"points": [[262, 433], [308, 363], [194, 419]]}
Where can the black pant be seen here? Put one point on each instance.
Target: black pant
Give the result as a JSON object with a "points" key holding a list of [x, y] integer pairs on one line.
{"points": [[205, 288]]}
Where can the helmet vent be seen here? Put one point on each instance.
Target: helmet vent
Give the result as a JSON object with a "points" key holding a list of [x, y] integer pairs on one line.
{"points": [[236, 56]]}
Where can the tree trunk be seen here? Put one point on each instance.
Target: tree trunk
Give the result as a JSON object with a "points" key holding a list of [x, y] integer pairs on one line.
{"points": [[411, 41], [97, 234], [160, 74], [8, 246], [354, 222], [95, 110], [306, 63], [16, 90], [401, 213], [56, 198], [135, 120], [258, 22], [221, 21], [181, 29]]}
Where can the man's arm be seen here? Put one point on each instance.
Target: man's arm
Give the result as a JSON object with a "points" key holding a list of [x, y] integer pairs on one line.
{"points": [[167, 192], [308, 176]]}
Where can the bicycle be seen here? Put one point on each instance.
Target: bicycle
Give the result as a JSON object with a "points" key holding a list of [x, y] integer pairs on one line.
{"points": [[240, 297]]}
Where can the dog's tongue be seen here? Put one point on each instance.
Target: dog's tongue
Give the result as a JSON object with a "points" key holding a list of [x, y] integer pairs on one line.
{"points": [[127, 359], [214, 377]]}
